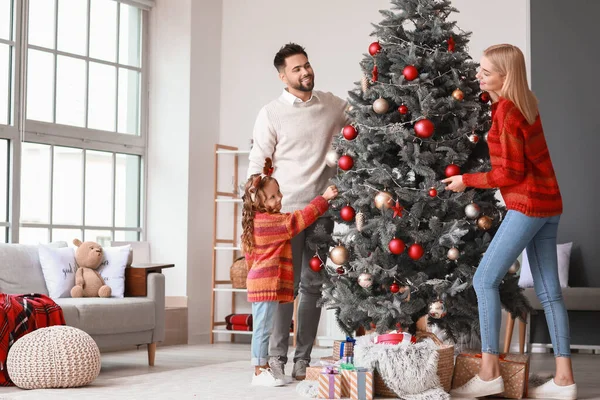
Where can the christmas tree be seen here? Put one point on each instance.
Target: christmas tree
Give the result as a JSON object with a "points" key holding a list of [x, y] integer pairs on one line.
{"points": [[412, 248]]}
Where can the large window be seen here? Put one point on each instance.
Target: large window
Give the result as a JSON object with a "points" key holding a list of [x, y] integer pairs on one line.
{"points": [[72, 119]]}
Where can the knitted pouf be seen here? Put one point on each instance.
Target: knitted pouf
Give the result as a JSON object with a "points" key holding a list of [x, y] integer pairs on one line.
{"points": [[54, 357]]}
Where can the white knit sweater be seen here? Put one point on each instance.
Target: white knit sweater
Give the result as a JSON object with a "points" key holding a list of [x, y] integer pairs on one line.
{"points": [[297, 135]]}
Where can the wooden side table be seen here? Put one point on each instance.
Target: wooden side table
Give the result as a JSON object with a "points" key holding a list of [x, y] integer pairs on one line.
{"points": [[136, 277]]}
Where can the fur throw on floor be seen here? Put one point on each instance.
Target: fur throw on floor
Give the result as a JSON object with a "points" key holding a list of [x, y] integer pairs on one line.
{"points": [[410, 370], [308, 389]]}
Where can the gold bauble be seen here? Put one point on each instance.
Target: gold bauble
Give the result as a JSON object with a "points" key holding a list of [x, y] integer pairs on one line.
{"points": [[515, 267], [458, 95], [339, 255], [381, 106], [484, 223], [383, 200], [453, 254]]}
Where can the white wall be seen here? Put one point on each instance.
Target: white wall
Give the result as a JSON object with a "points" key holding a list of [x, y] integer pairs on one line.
{"points": [[168, 140], [211, 71], [336, 37]]}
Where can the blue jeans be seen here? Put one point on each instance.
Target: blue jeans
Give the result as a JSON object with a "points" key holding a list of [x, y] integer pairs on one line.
{"points": [[538, 236], [262, 325]]}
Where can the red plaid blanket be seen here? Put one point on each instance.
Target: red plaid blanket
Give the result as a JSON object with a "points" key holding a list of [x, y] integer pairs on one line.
{"points": [[19, 315]]}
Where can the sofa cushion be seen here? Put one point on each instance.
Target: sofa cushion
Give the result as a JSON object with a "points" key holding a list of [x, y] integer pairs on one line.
{"points": [[99, 316], [58, 267], [20, 269], [576, 298]]}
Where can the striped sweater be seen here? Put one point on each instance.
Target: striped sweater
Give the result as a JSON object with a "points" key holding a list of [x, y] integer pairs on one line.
{"points": [[271, 272], [521, 165]]}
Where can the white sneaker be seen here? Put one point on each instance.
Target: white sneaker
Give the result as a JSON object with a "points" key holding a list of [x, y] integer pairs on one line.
{"points": [[551, 390], [266, 378], [479, 388]]}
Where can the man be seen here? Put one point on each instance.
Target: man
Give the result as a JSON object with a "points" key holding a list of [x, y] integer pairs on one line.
{"points": [[296, 131]]}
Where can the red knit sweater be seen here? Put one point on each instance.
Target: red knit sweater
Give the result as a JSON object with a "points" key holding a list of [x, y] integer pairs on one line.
{"points": [[271, 272], [521, 165]]}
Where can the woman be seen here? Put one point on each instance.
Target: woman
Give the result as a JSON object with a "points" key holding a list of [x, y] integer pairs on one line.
{"points": [[522, 170]]}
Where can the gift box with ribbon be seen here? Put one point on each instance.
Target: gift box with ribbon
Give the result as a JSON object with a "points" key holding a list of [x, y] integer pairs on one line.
{"points": [[357, 383], [343, 348], [330, 384], [514, 369]]}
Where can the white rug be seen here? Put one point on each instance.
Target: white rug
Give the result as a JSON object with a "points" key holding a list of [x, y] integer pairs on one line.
{"points": [[229, 381]]}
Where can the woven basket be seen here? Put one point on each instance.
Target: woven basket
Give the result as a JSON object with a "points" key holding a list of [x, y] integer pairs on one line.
{"points": [[238, 273], [54, 357], [445, 368]]}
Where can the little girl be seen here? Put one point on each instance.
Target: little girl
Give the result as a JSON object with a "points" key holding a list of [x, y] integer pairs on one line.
{"points": [[266, 244]]}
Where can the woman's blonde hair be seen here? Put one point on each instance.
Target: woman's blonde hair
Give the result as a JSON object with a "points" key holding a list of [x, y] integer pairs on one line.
{"points": [[510, 63]]}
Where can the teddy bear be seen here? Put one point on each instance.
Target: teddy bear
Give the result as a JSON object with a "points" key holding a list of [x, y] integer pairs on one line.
{"points": [[88, 282]]}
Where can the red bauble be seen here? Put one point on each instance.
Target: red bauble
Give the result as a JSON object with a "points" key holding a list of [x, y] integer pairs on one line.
{"points": [[452, 170], [375, 74], [374, 48], [432, 192], [403, 109], [346, 162], [415, 251], [424, 128], [349, 132], [315, 264], [347, 213], [484, 97], [394, 288], [340, 270], [396, 246], [451, 44], [410, 73]]}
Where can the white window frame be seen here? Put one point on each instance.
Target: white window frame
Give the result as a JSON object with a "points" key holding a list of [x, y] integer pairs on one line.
{"points": [[23, 130]]}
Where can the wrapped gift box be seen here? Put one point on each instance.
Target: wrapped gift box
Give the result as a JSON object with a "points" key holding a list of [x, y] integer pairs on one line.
{"points": [[357, 384], [343, 348], [330, 385], [514, 369], [312, 373]]}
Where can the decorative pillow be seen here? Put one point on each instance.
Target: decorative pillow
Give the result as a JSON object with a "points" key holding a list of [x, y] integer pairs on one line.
{"points": [[58, 267], [112, 268], [564, 255]]}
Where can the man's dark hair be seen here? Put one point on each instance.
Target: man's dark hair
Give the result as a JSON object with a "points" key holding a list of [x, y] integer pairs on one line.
{"points": [[290, 49]]}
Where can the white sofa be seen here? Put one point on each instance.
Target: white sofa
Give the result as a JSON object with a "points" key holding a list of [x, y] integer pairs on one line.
{"points": [[111, 322]]}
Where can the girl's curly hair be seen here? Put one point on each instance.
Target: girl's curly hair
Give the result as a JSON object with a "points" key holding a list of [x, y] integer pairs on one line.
{"points": [[253, 202]]}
